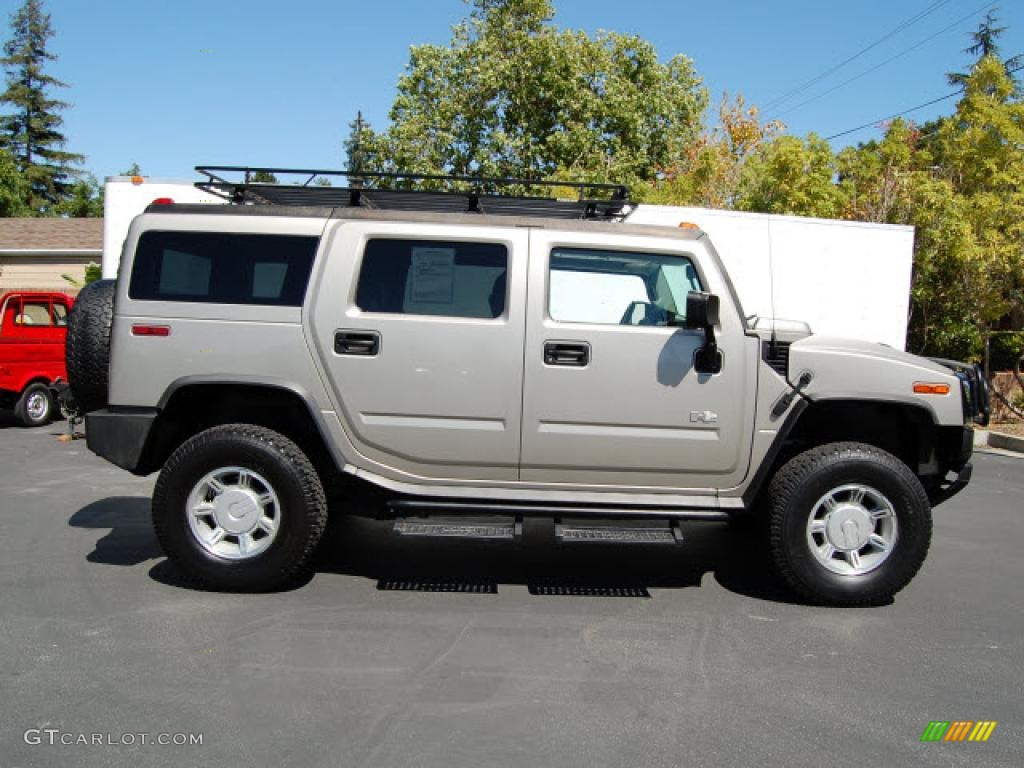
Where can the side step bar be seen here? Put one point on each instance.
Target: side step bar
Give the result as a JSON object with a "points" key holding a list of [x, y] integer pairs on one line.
{"points": [[428, 506], [494, 526], [669, 534], [467, 530]]}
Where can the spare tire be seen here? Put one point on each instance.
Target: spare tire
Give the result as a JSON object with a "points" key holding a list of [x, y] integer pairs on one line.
{"points": [[87, 353]]}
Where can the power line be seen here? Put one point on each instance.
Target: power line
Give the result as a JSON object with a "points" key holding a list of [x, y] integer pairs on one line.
{"points": [[818, 78], [908, 111], [891, 59]]}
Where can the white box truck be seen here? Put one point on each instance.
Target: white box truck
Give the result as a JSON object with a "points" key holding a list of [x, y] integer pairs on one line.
{"points": [[125, 197], [841, 278]]}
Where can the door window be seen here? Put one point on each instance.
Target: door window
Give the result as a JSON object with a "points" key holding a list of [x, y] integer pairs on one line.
{"points": [[427, 277], [619, 287], [35, 314]]}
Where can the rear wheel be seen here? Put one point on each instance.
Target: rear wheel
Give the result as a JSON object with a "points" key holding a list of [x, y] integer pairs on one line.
{"points": [[35, 406], [239, 507], [850, 524]]}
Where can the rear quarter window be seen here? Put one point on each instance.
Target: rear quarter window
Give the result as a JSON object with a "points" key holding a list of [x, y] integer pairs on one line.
{"points": [[222, 268]]}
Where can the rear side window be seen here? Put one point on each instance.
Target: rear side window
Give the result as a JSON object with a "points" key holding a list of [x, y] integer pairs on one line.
{"points": [[429, 277], [222, 268]]}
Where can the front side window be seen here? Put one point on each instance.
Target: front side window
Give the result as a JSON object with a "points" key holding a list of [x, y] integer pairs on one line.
{"points": [[619, 287], [431, 277], [222, 268]]}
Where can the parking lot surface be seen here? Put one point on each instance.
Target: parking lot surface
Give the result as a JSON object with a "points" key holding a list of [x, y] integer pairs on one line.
{"points": [[412, 652]]}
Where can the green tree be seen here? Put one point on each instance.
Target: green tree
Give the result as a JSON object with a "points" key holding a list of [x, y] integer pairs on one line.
{"points": [[514, 95], [710, 169], [985, 43], [263, 177], [32, 131], [875, 177], [792, 175], [13, 187], [84, 199], [360, 145], [982, 146]]}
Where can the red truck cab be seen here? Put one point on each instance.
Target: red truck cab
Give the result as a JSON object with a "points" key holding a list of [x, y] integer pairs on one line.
{"points": [[33, 329]]}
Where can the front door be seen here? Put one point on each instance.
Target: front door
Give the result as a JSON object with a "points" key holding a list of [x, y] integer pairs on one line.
{"points": [[611, 397], [420, 328]]}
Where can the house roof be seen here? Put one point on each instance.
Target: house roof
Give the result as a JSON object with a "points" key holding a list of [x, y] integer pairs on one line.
{"points": [[23, 235]]}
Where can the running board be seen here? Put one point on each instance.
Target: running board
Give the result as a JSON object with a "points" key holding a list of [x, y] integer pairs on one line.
{"points": [[669, 534], [428, 506]]}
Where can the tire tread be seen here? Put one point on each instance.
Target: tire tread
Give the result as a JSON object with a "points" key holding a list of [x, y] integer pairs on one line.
{"points": [[799, 470], [311, 489]]}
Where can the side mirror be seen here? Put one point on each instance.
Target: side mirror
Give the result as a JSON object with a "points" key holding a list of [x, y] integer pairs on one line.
{"points": [[702, 313], [701, 310]]}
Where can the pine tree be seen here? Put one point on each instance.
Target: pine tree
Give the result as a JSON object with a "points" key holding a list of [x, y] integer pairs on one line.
{"points": [[31, 133], [984, 43], [357, 148]]}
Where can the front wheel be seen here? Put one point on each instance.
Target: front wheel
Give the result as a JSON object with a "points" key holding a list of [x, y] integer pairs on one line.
{"points": [[850, 524], [35, 406], [239, 508]]}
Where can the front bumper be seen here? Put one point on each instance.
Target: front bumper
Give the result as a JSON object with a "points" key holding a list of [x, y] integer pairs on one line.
{"points": [[119, 435], [956, 445], [950, 489]]}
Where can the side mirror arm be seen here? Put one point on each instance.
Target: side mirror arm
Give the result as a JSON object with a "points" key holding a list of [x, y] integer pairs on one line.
{"points": [[708, 358]]}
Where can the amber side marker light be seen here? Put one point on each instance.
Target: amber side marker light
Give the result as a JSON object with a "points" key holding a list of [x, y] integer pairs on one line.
{"points": [[687, 225], [923, 388]]}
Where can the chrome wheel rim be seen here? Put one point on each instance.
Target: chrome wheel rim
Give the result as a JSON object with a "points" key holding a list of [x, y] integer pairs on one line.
{"points": [[852, 529], [37, 406], [234, 513]]}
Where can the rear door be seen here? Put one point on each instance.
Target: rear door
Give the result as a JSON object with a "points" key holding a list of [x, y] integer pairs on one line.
{"points": [[611, 397], [420, 330]]}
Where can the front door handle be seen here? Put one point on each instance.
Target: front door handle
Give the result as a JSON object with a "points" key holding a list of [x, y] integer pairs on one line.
{"points": [[571, 354], [362, 343]]}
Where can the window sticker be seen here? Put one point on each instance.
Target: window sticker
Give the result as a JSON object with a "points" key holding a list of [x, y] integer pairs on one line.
{"points": [[432, 276]]}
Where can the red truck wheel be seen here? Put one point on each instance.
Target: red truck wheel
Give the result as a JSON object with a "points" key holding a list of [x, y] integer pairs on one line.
{"points": [[35, 406]]}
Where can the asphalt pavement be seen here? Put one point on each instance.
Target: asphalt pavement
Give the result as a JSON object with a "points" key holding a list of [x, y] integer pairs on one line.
{"points": [[405, 652]]}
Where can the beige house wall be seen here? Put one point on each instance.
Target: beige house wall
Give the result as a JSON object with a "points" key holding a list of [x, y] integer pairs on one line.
{"points": [[42, 272]]}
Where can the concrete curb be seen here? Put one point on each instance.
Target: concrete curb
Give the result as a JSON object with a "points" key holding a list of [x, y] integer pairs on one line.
{"points": [[984, 438], [1006, 442]]}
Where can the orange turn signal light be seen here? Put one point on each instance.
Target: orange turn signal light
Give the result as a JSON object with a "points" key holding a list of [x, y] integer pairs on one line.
{"points": [[924, 388], [687, 225], [136, 180]]}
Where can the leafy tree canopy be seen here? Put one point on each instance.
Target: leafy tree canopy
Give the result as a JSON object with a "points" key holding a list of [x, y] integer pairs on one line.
{"points": [[514, 95]]}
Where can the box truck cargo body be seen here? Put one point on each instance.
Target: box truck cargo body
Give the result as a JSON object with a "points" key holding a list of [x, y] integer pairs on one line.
{"points": [[841, 278], [125, 197]]}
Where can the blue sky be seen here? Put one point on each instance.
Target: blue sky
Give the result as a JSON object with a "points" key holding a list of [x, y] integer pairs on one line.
{"points": [[173, 84]]}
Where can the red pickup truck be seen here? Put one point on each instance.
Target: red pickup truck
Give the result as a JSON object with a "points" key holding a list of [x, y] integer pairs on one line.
{"points": [[32, 334]]}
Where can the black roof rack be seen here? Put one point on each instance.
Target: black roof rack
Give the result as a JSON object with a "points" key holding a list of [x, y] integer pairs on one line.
{"points": [[416, 192]]}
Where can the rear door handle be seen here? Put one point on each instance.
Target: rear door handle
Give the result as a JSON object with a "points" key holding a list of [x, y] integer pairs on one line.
{"points": [[362, 343], [571, 354]]}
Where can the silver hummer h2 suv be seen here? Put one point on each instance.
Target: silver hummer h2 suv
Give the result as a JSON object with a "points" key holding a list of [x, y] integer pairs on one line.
{"points": [[466, 359]]}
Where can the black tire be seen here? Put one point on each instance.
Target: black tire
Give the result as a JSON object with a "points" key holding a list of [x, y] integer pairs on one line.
{"points": [[35, 396], [87, 351], [303, 507], [804, 480]]}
